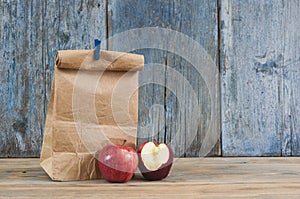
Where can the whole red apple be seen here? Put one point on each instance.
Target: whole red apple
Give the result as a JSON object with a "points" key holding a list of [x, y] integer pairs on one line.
{"points": [[117, 163], [155, 160]]}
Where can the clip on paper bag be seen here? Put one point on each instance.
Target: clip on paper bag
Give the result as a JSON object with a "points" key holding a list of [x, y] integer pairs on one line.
{"points": [[92, 103]]}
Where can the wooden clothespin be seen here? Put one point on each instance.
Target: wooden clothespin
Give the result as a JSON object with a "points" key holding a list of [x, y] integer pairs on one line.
{"points": [[97, 48]]}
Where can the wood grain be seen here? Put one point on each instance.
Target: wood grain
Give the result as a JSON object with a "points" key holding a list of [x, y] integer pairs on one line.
{"points": [[258, 71], [31, 33], [159, 112], [189, 178], [291, 91], [22, 78], [139, 14], [199, 21]]}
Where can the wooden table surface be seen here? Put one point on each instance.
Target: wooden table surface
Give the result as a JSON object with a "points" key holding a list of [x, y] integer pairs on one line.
{"points": [[189, 178]]}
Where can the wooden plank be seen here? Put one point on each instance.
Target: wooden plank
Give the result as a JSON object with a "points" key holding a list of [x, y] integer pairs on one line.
{"points": [[189, 178], [22, 78], [253, 54], [199, 21], [159, 111], [291, 80], [126, 15]]}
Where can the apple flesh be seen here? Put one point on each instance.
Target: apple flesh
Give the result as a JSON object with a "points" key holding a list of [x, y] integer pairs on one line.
{"points": [[155, 160], [117, 163]]}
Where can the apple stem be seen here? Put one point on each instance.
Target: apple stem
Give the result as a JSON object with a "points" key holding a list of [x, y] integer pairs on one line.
{"points": [[124, 142]]}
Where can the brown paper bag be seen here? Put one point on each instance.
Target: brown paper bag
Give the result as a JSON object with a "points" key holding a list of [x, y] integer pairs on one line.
{"points": [[92, 103]]}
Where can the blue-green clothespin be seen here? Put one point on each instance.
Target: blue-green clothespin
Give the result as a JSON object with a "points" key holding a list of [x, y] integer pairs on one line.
{"points": [[97, 48]]}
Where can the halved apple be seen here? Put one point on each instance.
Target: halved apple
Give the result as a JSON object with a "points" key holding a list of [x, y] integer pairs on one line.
{"points": [[155, 160]]}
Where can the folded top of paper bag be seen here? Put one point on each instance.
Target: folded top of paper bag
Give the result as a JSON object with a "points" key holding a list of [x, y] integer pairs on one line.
{"points": [[109, 60]]}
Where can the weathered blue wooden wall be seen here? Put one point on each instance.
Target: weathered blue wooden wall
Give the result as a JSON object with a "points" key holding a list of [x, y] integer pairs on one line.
{"points": [[255, 44], [260, 62]]}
